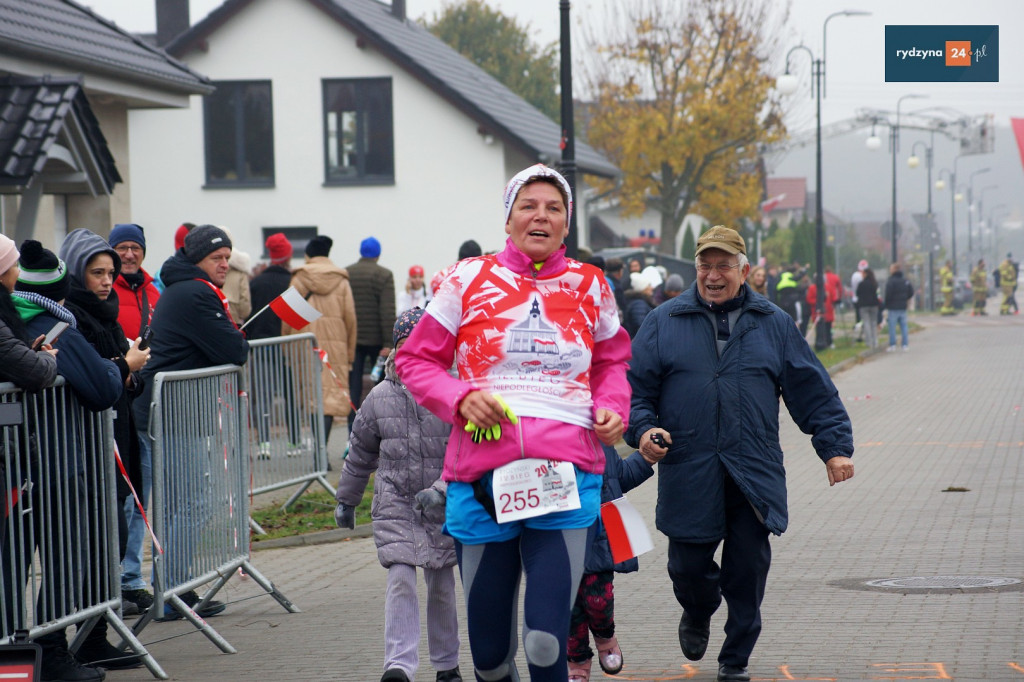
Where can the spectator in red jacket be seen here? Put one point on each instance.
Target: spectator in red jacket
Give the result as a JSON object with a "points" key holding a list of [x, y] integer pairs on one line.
{"points": [[136, 294], [830, 311]]}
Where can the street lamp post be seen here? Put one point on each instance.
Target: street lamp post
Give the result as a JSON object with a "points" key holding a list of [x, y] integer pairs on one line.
{"points": [[787, 85], [895, 134], [913, 163], [970, 211], [568, 126], [941, 184], [1002, 209]]}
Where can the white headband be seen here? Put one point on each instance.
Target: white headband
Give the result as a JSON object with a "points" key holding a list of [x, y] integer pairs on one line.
{"points": [[536, 171]]}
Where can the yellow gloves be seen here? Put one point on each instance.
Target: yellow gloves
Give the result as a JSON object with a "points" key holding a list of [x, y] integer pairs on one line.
{"points": [[494, 432]]}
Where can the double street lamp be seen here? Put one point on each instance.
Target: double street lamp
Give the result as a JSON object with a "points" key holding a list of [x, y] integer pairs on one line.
{"points": [[914, 162], [787, 85], [895, 134]]}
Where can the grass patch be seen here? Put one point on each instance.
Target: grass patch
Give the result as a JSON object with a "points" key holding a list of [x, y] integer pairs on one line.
{"points": [[312, 512]]}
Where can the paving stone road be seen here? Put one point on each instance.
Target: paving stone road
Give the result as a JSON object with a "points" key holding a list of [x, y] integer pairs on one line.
{"points": [[938, 491]]}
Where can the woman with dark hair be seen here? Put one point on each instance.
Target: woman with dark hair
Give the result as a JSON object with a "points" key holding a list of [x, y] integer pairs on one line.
{"points": [[93, 265]]}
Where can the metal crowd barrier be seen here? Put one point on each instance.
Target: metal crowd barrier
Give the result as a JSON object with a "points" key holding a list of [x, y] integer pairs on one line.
{"points": [[286, 426], [200, 512], [59, 563]]}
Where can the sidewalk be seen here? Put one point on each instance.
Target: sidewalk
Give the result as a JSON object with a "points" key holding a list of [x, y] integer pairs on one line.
{"points": [[947, 415]]}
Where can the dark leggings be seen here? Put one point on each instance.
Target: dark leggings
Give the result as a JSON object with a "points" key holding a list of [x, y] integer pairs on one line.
{"points": [[594, 611], [552, 561]]}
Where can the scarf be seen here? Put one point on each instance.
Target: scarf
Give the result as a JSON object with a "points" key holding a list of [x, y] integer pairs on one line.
{"points": [[97, 320], [30, 304], [721, 312]]}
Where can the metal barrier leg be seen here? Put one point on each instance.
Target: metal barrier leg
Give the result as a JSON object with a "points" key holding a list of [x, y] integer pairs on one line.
{"points": [[129, 638], [326, 484], [269, 587], [200, 624], [256, 527], [296, 495]]}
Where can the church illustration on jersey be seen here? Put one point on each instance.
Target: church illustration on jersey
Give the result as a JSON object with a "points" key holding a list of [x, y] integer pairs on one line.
{"points": [[534, 335]]}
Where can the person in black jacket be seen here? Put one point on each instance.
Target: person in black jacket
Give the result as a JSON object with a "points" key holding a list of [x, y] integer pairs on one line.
{"points": [[92, 268], [265, 324], [27, 367], [867, 305], [639, 302], [898, 291], [57, 501], [192, 329]]}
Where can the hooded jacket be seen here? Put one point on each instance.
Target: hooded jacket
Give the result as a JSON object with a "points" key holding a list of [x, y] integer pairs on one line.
{"points": [[191, 329], [97, 321], [723, 412], [325, 286], [404, 443]]}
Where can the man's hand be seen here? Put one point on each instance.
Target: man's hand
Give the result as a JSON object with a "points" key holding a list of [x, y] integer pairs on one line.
{"points": [[839, 469], [654, 445], [608, 426]]}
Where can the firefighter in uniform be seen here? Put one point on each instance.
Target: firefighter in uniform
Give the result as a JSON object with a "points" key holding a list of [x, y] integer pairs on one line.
{"points": [[1007, 283], [946, 285], [979, 284]]}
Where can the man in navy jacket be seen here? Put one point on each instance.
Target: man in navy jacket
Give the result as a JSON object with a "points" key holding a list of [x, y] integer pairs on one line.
{"points": [[707, 372], [192, 329]]}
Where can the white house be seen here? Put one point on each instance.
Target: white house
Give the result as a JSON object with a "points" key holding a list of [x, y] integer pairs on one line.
{"points": [[68, 79], [337, 117]]}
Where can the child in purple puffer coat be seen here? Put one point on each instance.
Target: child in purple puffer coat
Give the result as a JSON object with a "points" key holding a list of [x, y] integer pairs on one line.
{"points": [[405, 444]]}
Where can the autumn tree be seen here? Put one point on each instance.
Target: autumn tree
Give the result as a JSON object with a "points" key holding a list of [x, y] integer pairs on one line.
{"points": [[502, 47], [683, 100]]}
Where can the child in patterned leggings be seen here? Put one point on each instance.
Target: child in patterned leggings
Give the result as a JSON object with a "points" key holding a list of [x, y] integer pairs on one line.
{"points": [[594, 610]]}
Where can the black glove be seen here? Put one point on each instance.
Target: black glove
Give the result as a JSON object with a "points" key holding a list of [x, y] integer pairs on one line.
{"points": [[345, 516], [429, 498]]}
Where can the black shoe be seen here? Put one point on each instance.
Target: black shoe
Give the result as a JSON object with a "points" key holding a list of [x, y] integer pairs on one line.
{"points": [[452, 675], [733, 673], [693, 636], [106, 655], [394, 675], [59, 664], [212, 608], [135, 602]]}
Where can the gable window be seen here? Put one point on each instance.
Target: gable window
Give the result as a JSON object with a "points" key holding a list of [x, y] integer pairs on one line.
{"points": [[239, 132], [359, 146]]}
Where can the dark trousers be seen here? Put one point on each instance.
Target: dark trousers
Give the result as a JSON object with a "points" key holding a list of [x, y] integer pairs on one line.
{"points": [[700, 584], [355, 377]]}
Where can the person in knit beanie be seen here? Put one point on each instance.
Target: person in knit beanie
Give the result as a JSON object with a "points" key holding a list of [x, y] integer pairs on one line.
{"points": [[60, 499], [279, 249], [203, 240], [319, 245], [23, 365], [405, 444]]}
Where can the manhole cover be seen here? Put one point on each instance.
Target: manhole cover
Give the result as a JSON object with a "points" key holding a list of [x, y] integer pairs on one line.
{"points": [[933, 584], [943, 582]]}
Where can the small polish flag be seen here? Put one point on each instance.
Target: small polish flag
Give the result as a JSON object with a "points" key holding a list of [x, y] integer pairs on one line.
{"points": [[627, 534], [769, 205], [294, 310]]}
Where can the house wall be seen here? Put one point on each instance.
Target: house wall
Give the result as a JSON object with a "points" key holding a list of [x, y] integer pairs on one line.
{"points": [[448, 181]]}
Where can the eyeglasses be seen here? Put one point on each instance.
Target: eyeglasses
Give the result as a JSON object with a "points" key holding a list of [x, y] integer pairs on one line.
{"points": [[124, 248], [722, 268]]}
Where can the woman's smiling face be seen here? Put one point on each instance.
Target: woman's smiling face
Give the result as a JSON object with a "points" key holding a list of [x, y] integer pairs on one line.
{"points": [[537, 222]]}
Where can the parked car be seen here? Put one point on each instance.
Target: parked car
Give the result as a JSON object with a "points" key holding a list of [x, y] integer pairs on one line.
{"points": [[963, 295]]}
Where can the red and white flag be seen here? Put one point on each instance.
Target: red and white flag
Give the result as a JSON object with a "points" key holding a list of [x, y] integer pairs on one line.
{"points": [[769, 205], [294, 310], [627, 533]]}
